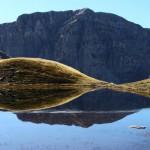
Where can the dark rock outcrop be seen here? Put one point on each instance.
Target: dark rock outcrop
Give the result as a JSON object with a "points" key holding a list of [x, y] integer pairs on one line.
{"points": [[101, 45], [3, 55]]}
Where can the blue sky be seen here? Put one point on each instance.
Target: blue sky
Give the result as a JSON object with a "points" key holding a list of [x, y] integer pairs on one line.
{"points": [[137, 11]]}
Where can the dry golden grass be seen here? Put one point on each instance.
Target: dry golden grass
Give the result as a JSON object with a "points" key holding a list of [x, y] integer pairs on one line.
{"points": [[139, 87], [41, 71]]}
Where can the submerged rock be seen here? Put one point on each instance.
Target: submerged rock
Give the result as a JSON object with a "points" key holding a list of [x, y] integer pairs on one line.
{"points": [[137, 127]]}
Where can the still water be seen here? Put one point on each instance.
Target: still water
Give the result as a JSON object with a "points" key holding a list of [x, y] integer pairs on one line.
{"points": [[100, 123], [32, 134]]}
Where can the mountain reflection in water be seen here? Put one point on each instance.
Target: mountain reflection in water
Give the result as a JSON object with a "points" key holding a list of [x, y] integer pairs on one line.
{"points": [[23, 132], [50, 97], [94, 121], [82, 119]]}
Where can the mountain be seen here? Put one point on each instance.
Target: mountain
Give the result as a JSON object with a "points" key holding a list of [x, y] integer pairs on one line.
{"points": [[102, 45]]}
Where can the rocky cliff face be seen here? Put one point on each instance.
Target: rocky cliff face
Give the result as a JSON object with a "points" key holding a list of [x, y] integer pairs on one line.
{"points": [[101, 45]]}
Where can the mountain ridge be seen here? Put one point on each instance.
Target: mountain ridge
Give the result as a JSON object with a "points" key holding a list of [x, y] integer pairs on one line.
{"points": [[102, 45]]}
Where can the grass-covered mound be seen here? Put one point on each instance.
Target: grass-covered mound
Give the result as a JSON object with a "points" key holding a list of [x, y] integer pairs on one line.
{"points": [[140, 87], [36, 70]]}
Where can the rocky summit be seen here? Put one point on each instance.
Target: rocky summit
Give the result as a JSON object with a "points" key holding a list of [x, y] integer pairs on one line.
{"points": [[102, 45]]}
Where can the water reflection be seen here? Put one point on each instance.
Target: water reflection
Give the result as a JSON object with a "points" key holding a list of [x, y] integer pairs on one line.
{"points": [[81, 124], [107, 100], [36, 99], [82, 119], [21, 135], [46, 98]]}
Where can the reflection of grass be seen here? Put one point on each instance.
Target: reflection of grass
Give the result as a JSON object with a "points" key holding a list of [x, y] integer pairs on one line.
{"points": [[20, 99], [139, 87]]}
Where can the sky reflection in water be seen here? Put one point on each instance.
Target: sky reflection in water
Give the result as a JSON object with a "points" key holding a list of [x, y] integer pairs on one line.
{"points": [[16, 134]]}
